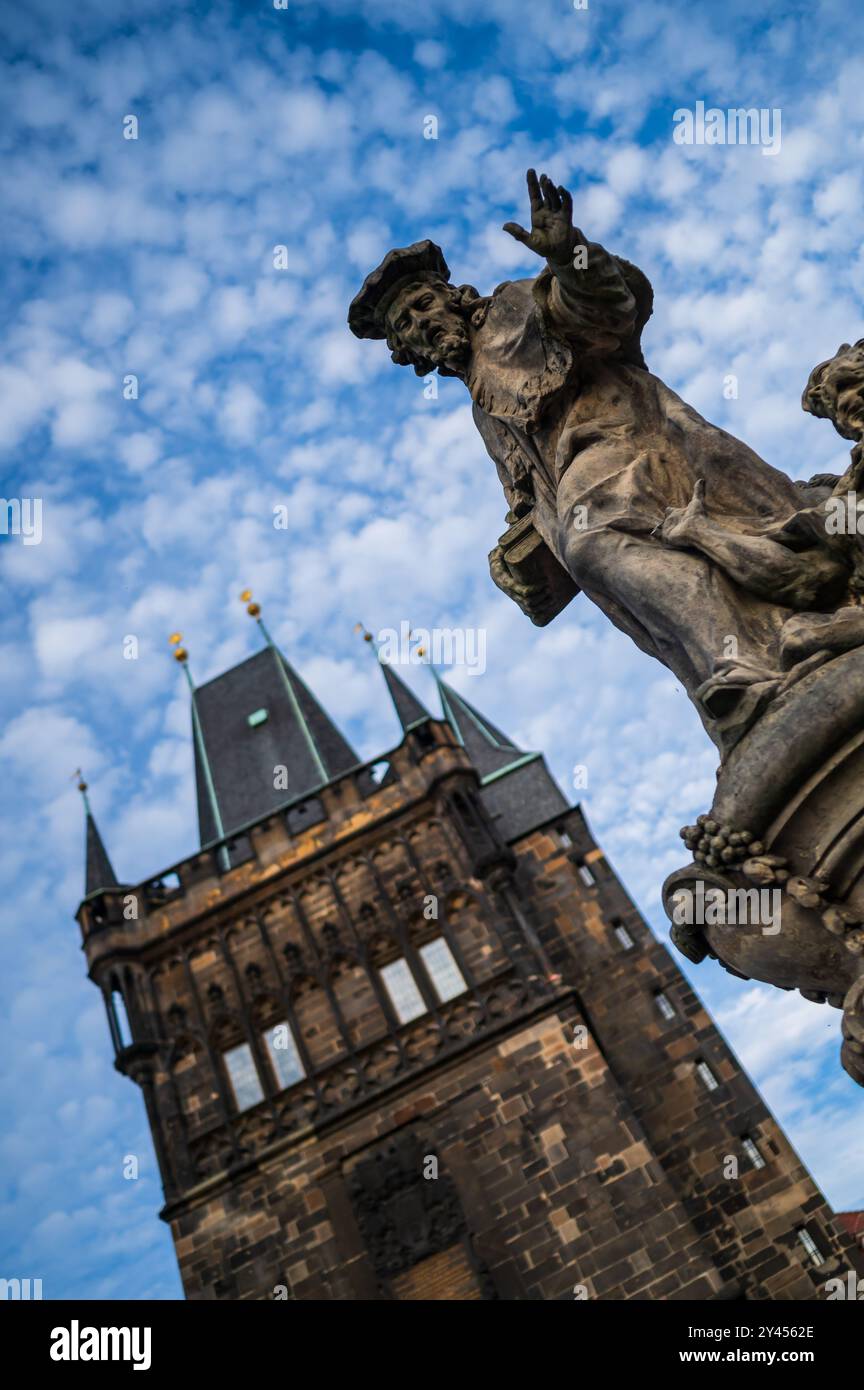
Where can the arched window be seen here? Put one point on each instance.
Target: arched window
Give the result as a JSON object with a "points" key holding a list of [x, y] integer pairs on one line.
{"points": [[243, 1075], [284, 1056], [118, 1019], [444, 973]]}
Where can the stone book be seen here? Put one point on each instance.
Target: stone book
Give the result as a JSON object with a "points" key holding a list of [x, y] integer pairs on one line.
{"points": [[530, 561]]}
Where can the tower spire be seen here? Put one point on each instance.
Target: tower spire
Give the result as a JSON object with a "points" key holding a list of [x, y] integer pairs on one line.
{"points": [[203, 768], [490, 751], [286, 675], [262, 741], [409, 710], [98, 873]]}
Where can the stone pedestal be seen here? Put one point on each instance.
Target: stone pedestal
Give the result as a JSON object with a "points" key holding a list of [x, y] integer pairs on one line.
{"points": [[788, 820]]}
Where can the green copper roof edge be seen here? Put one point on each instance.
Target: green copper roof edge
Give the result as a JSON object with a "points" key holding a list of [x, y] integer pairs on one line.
{"points": [[106, 888], [111, 888], [511, 767], [406, 728], [448, 712], [415, 723], [201, 747], [475, 720], [198, 735], [295, 706], [317, 759]]}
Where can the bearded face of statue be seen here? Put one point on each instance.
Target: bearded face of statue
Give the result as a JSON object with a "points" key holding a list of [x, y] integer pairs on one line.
{"points": [[426, 328], [835, 390]]}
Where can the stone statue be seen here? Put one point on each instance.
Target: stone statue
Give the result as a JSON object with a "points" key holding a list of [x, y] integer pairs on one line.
{"points": [[747, 585]]}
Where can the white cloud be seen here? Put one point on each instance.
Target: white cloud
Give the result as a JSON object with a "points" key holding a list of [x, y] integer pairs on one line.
{"points": [[110, 315], [140, 451], [21, 404], [239, 413], [43, 745], [62, 644], [430, 54], [80, 424]]}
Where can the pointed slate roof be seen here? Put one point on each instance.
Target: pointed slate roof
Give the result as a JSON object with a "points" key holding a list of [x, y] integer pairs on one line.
{"points": [[408, 708], [98, 873], [516, 788], [489, 750], [247, 723]]}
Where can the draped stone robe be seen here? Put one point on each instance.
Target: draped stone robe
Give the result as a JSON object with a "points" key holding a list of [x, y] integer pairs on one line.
{"points": [[571, 416]]}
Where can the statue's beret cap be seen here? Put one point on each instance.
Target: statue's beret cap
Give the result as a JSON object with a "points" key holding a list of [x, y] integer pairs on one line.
{"points": [[399, 267]]}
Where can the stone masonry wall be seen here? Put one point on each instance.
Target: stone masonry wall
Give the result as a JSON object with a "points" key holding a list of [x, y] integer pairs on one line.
{"points": [[750, 1220], [554, 1173]]}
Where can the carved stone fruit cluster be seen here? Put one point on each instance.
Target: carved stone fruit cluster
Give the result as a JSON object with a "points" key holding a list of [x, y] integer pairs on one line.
{"points": [[838, 918], [717, 845]]}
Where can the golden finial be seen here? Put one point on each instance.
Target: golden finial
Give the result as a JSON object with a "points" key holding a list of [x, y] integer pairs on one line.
{"points": [[78, 776], [360, 627], [418, 651], [180, 653], [253, 609]]}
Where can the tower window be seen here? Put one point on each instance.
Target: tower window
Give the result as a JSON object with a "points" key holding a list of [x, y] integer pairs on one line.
{"points": [[401, 987], [623, 937], [259, 716], [121, 1019], [751, 1149], [586, 875], [245, 1082], [814, 1254], [283, 1054], [565, 839], [443, 970], [664, 1005], [706, 1076]]}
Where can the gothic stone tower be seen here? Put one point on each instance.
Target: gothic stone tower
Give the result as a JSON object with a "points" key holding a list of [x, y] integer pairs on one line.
{"points": [[401, 1034]]}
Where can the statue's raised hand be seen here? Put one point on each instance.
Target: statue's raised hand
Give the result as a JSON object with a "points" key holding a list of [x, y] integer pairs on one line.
{"points": [[552, 232]]}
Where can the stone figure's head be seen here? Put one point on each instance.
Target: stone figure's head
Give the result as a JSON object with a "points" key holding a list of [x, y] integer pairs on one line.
{"points": [[408, 299], [835, 390]]}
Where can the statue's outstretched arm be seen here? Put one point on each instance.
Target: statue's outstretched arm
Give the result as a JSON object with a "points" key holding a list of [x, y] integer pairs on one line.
{"points": [[589, 299]]}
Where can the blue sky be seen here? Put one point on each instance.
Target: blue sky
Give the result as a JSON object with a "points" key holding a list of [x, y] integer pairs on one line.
{"points": [[303, 127]]}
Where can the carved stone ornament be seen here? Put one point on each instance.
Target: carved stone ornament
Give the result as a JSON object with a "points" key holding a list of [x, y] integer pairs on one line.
{"points": [[402, 1216]]}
